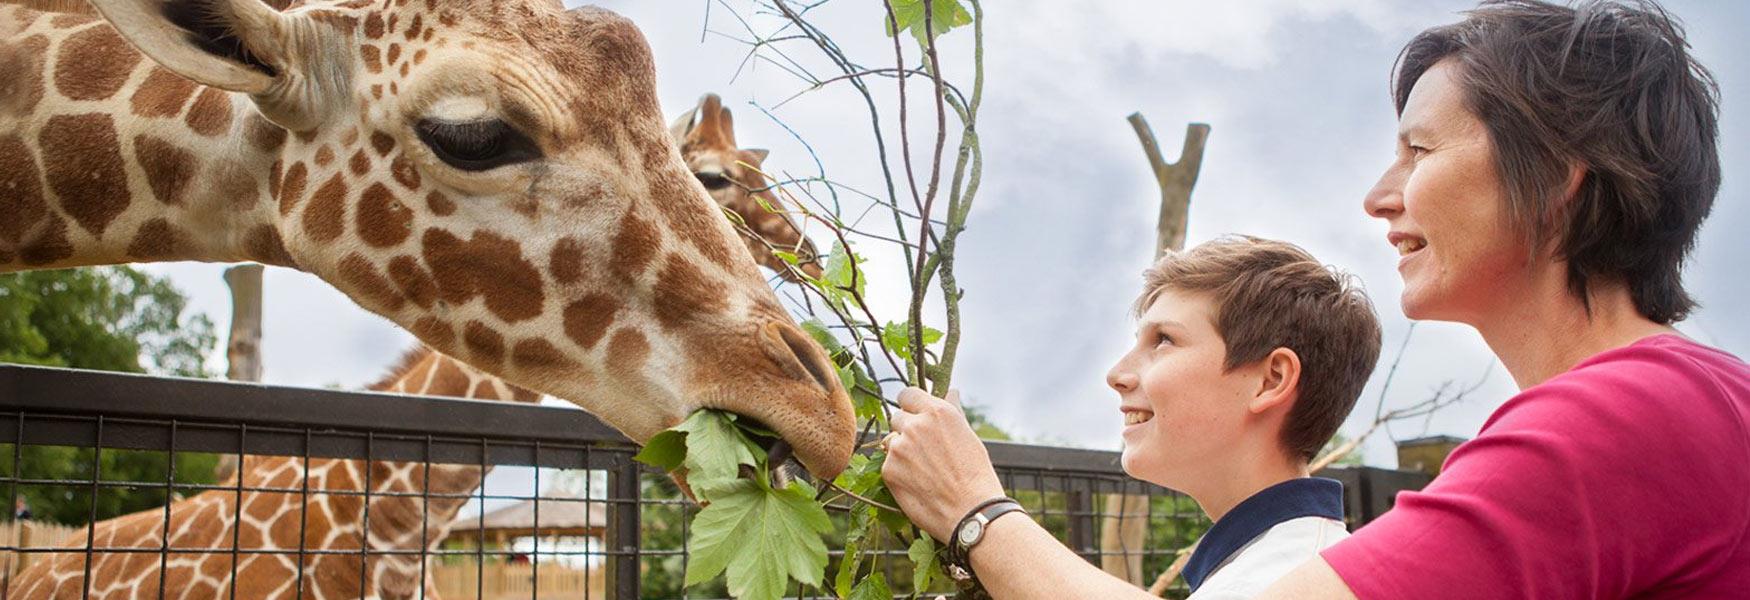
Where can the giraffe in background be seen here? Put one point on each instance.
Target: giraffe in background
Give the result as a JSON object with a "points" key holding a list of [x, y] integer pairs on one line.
{"points": [[706, 135], [493, 176], [272, 521]]}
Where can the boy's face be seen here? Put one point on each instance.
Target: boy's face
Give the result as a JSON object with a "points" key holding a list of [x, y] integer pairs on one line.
{"points": [[1183, 414]]}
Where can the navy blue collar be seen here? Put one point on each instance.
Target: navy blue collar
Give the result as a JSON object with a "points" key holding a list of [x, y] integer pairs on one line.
{"points": [[1292, 499]]}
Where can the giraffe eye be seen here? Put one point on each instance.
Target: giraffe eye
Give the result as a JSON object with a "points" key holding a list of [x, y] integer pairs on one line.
{"points": [[476, 145], [712, 181]]}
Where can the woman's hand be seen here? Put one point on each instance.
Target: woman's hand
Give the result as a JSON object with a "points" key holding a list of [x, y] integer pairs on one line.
{"points": [[936, 467]]}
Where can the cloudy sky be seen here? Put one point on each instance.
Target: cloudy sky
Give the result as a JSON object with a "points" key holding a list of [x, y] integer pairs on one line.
{"points": [[1302, 125]]}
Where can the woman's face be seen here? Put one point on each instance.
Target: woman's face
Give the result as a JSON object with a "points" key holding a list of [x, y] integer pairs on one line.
{"points": [[1443, 198], [1184, 411]]}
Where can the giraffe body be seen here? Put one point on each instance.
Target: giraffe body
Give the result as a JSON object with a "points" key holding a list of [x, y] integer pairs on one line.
{"points": [[273, 521], [493, 176]]}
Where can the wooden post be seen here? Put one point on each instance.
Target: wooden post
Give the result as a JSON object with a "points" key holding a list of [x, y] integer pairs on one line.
{"points": [[1175, 180], [243, 350], [1124, 527]]}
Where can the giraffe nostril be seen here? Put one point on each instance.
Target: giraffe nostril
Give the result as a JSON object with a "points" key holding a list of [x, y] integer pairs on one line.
{"points": [[812, 361]]}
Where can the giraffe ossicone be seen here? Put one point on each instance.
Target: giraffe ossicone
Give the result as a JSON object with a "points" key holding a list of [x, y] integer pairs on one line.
{"points": [[493, 175]]}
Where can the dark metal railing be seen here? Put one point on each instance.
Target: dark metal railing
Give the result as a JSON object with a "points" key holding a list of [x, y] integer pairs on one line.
{"points": [[1068, 490]]}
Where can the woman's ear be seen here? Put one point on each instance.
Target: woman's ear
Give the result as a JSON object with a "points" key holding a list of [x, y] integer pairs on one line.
{"points": [[1279, 384]]}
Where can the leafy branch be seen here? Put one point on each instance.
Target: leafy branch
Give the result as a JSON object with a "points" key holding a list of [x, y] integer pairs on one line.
{"points": [[742, 502]]}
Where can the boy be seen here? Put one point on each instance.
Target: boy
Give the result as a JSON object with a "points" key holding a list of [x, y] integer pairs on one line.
{"points": [[1248, 355]]}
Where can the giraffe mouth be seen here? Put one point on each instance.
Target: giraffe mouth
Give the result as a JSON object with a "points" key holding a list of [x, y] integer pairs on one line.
{"points": [[780, 455], [783, 465]]}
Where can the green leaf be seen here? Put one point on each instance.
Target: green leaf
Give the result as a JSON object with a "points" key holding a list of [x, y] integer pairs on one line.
{"points": [[848, 567], [788, 257], [761, 537], [716, 449], [817, 329], [863, 476], [945, 15], [843, 279], [666, 450], [872, 588], [923, 559], [896, 337]]}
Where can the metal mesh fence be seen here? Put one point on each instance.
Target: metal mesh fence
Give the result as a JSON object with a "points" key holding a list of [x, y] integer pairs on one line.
{"points": [[345, 494]]}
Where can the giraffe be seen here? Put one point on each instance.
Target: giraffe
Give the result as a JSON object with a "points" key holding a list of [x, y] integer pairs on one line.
{"points": [[274, 521], [706, 135], [494, 176]]}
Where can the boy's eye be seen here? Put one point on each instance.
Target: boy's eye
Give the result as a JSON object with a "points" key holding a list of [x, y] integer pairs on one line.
{"points": [[1162, 339]]}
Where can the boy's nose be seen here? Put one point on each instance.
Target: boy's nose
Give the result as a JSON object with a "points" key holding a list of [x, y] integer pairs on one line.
{"points": [[1121, 380]]}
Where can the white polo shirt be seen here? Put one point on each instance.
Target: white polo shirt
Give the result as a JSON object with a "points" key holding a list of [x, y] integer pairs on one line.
{"points": [[1266, 536]]}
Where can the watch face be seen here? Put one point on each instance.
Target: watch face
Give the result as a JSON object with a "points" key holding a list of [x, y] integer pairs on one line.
{"points": [[971, 532]]}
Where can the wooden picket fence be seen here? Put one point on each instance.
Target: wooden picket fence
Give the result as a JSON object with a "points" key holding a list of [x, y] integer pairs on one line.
{"points": [[33, 535], [517, 581]]}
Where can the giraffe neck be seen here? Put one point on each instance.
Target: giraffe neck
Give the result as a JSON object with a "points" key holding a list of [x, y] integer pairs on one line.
{"points": [[107, 158], [397, 523]]}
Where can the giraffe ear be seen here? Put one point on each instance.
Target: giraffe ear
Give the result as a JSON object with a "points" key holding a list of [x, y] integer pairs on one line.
{"points": [[234, 45], [683, 126], [756, 156]]}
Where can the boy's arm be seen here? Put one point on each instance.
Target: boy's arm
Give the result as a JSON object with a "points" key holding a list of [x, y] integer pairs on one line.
{"points": [[1019, 560], [1314, 579]]}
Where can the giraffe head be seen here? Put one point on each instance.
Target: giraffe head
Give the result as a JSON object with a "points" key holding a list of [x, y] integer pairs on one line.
{"points": [[706, 135], [495, 176]]}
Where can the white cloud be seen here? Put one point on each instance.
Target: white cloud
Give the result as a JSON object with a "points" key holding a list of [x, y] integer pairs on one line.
{"points": [[1295, 93]]}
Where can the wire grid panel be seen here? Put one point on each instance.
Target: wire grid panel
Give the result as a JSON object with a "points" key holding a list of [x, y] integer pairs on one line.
{"points": [[350, 495], [311, 524]]}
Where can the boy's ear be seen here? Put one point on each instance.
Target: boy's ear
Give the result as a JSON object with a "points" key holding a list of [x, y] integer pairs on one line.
{"points": [[1279, 382], [233, 45]]}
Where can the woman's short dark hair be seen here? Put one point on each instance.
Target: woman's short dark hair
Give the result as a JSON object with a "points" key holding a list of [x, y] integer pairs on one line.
{"points": [[1609, 86]]}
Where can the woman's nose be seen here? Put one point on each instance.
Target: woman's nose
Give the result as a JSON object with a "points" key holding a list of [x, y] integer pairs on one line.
{"points": [[1387, 196]]}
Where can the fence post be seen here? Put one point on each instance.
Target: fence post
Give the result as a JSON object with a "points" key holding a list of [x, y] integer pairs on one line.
{"points": [[623, 530], [1080, 503]]}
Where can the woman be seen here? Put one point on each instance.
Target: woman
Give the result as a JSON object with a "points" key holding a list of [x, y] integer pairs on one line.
{"points": [[1554, 166]]}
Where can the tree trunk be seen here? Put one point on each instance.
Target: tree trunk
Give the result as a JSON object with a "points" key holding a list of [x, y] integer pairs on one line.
{"points": [[1125, 524], [243, 350]]}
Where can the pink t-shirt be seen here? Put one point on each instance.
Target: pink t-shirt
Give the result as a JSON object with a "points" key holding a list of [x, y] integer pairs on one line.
{"points": [[1626, 477]]}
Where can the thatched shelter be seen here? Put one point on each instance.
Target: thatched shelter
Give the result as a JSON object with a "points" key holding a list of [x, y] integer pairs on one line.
{"points": [[561, 515]]}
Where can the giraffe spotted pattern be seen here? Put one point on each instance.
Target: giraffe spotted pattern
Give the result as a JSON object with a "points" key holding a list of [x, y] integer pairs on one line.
{"points": [[270, 527]]}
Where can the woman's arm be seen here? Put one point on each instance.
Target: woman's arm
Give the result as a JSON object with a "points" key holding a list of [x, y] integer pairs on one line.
{"points": [[938, 470]]}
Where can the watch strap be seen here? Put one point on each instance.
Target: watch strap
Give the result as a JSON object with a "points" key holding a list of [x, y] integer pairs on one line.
{"points": [[959, 561]]}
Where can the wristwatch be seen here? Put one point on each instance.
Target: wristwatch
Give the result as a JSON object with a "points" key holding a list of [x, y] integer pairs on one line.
{"points": [[971, 531]]}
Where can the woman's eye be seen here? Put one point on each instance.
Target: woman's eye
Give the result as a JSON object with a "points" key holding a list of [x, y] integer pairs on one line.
{"points": [[476, 145], [713, 181]]}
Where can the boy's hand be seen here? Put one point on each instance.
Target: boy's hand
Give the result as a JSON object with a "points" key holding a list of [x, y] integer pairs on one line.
{"points": [[936, 467]]}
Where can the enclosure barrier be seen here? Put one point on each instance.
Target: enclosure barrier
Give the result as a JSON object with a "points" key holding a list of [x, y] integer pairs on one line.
{"points": [[639, 552]]}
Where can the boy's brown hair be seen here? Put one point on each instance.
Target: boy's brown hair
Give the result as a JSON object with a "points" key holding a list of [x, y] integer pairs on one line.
{"points": [[1268, 295]]}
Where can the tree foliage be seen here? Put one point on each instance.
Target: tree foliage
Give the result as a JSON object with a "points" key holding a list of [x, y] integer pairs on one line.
{"points": [[111, 319], [105, 318]]}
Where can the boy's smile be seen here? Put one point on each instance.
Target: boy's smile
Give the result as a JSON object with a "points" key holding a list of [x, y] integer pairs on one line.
{"points": [[1183, 410]]}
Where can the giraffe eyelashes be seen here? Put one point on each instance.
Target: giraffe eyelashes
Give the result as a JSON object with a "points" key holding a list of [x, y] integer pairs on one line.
{"points": [[712, 181], [476, 145]]}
